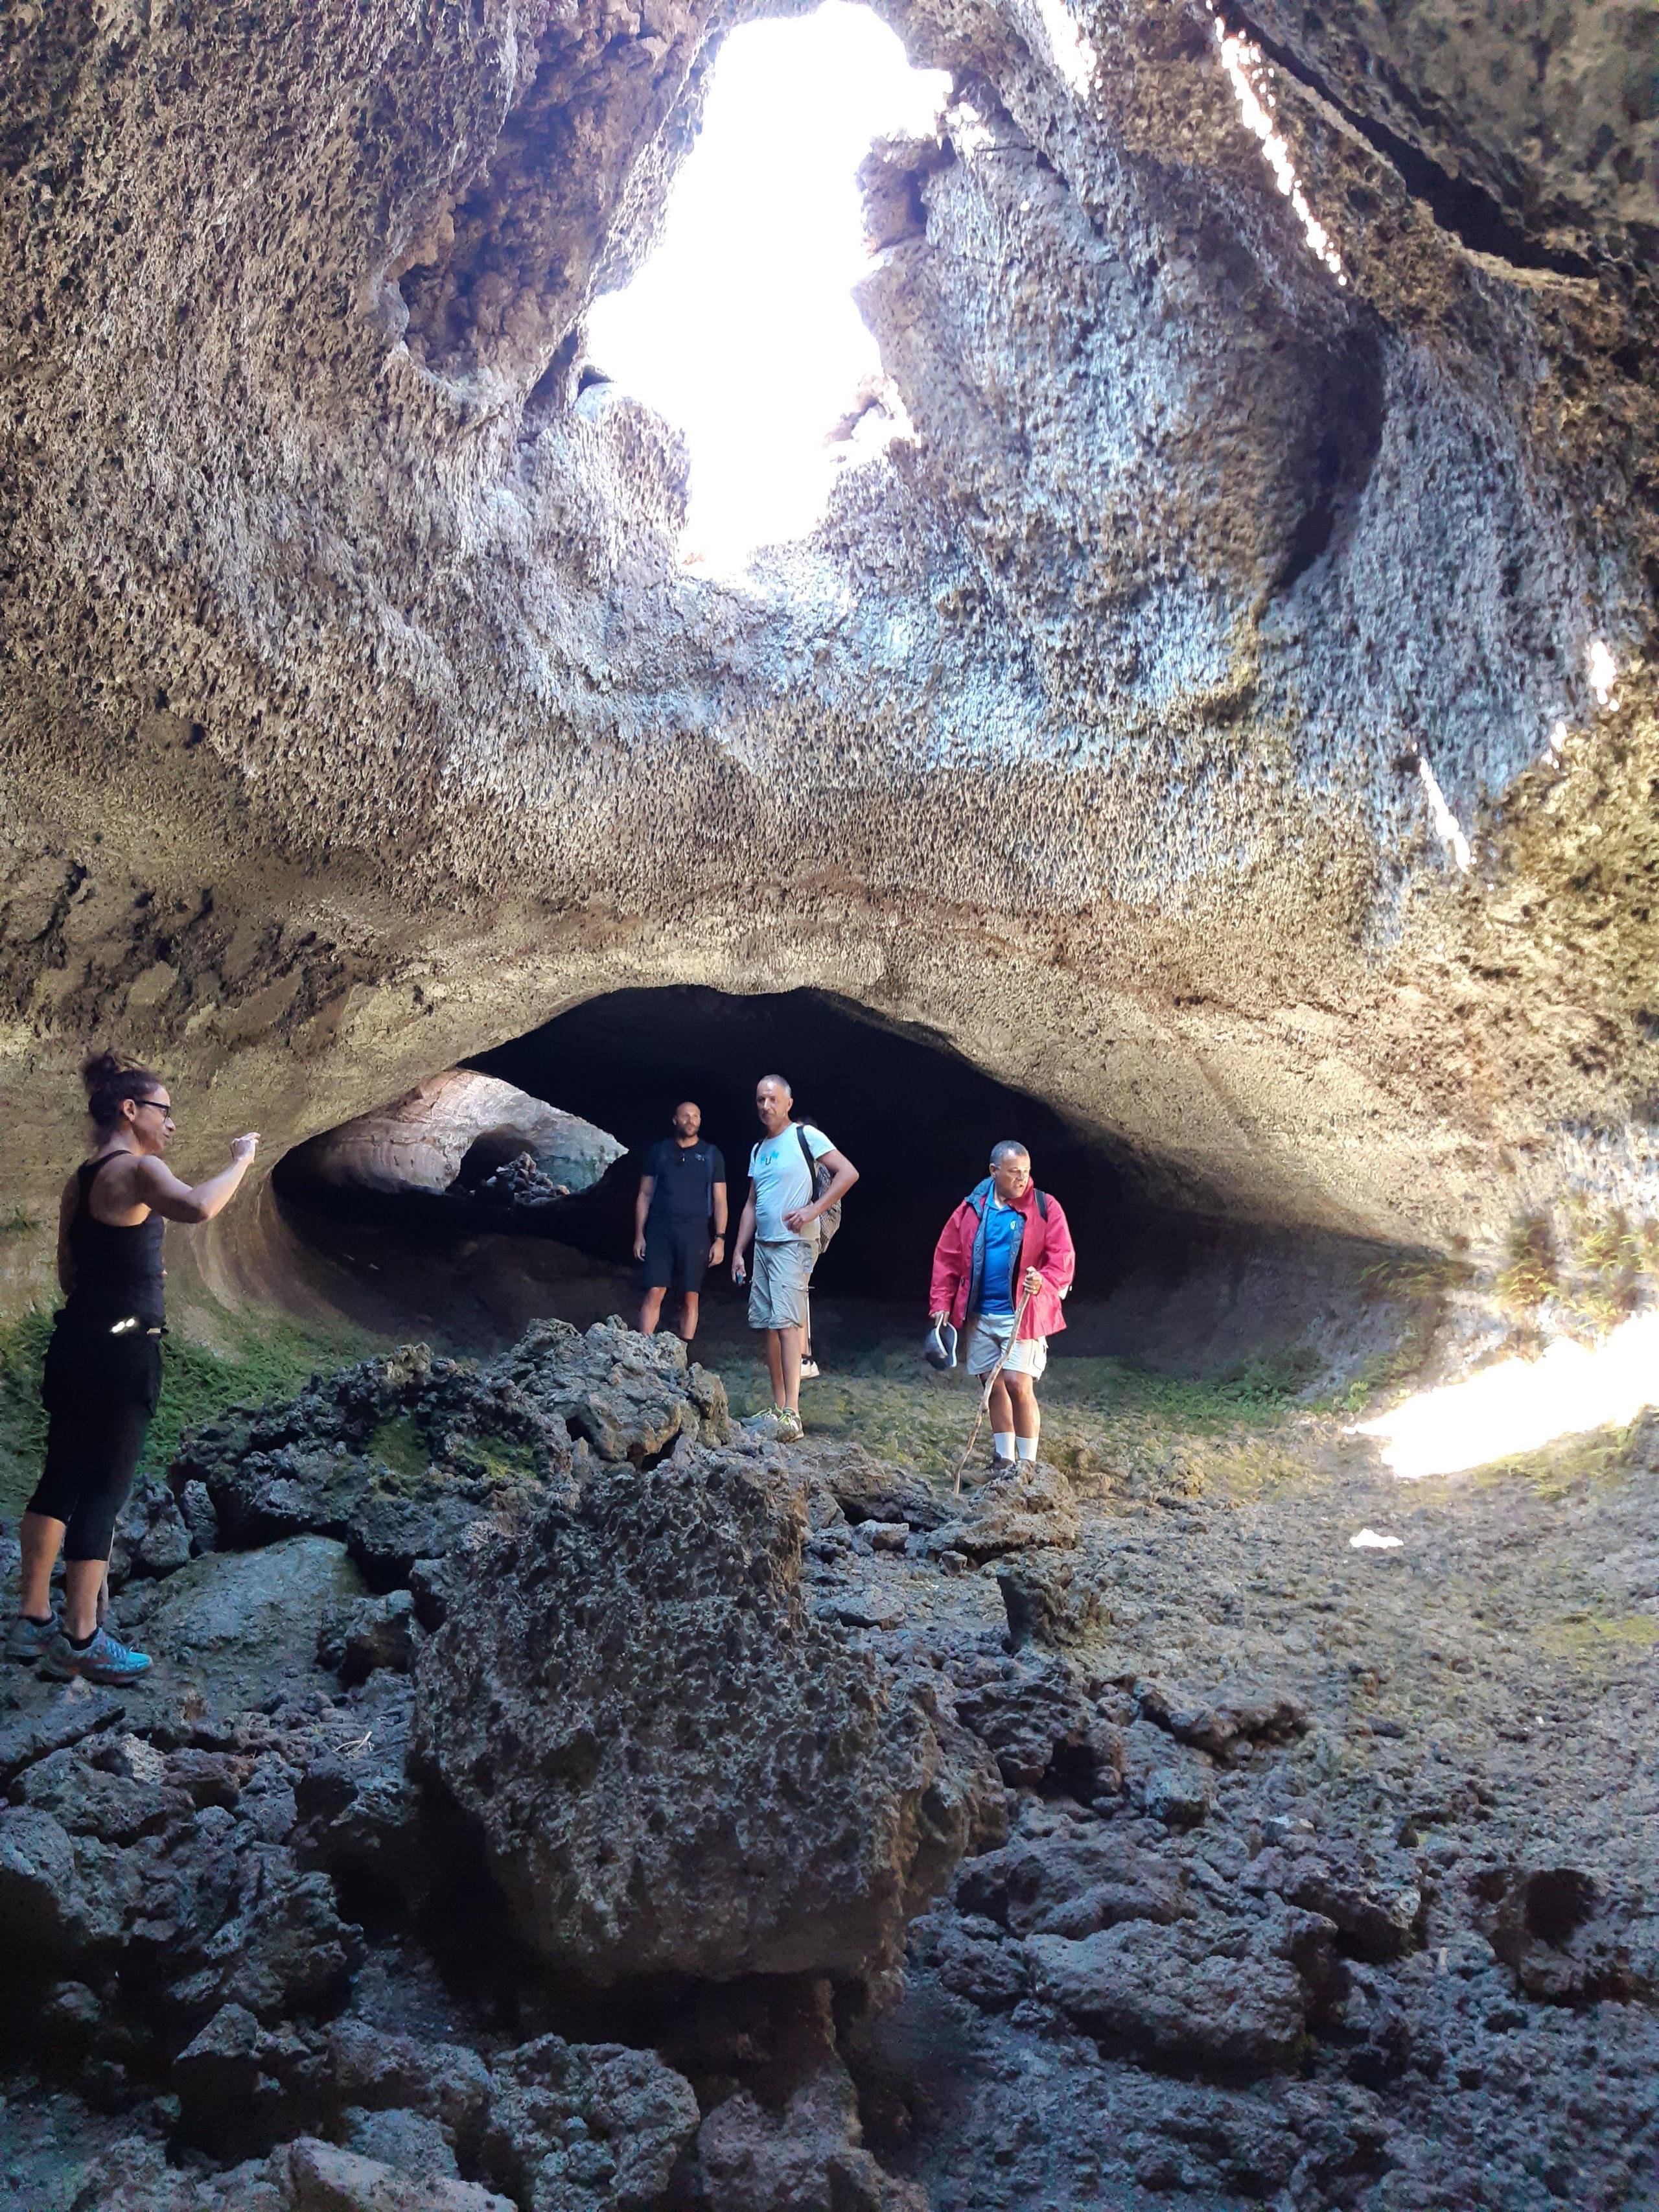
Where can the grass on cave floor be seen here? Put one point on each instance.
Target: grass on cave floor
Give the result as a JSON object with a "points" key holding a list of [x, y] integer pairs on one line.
{"points": [[1100, 1417], [256, 1362]]}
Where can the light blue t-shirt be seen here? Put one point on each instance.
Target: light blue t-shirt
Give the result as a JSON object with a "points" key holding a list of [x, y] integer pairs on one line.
{"points": [[782, 1182], [1004, 1231]]}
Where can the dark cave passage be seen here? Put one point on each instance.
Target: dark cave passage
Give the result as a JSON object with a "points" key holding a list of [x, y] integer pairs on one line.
{"points": [[1178, 1292], [917, 1119]]}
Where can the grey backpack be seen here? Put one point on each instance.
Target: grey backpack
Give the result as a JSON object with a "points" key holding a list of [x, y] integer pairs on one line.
{"points": [[821, 1176]]}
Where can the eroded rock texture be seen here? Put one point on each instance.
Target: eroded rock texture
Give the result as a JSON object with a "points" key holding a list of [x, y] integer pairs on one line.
{"points": [[410, 1458], [459, 1125], [682, 1765], [360, 713]]}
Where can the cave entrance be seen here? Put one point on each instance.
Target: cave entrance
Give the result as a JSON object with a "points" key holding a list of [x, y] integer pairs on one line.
{"points": [[497, 1193], [916, 1119], [393, 1217]]}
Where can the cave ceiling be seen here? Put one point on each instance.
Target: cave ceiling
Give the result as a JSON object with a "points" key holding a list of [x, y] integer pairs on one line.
{"points": [[360, 712]]}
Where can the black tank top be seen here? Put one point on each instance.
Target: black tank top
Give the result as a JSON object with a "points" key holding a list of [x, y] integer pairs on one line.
{"points": [[117, 1272]]}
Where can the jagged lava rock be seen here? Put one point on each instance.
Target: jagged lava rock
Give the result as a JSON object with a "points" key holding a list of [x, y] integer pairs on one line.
{"points": [[810, 2157], [304, 2176], [579, 2127], [1031, 1508], [410, 1456], [675, 1765], [1188, 1992], [1232, 1716]]}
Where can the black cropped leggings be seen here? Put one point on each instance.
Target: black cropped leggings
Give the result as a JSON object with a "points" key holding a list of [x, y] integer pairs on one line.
{"points": [[99, 1391]]}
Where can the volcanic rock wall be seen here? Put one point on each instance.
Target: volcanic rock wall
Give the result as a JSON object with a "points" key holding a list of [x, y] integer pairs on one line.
{"points": [[360, 713]]}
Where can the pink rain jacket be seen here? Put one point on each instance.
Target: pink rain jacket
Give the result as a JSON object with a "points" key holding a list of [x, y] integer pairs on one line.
{"points": [[1047, 1246]]}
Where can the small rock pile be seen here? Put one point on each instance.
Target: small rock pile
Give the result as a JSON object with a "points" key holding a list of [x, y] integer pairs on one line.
{"points": [[521, 1182]]}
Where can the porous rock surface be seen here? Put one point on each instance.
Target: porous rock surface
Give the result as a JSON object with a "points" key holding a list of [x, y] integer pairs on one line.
{"points": [[362, 711], [679, 1762], [410, 1458], [1401, 1948]]}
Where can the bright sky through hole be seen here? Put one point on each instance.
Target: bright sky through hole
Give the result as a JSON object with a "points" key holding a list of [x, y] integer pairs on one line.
{"points": [[741, 329]]}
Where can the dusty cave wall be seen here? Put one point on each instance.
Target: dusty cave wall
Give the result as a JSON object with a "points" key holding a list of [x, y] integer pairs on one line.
{"points": [[358, 713]]}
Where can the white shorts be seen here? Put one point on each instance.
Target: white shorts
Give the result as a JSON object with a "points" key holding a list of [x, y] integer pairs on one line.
{"points": [[985, 1346]]}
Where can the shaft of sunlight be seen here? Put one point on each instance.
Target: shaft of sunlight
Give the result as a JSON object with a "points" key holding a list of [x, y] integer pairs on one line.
{"points": [[1251, 79], [1447, 827], [741, 328], [1519, 1405]]}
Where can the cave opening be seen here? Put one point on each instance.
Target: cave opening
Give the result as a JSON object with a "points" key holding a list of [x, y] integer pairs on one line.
{"points": [[916, 1118], [528, 1217], [741, 328]]}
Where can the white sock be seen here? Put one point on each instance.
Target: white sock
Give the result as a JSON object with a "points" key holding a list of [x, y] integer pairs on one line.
{"points": [[1026, 1446], [1002, 1443]]}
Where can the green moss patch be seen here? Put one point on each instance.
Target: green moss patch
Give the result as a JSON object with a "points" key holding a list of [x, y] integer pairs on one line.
{"points": [[498, 1459], [401, 1449], [1101, 1418]]}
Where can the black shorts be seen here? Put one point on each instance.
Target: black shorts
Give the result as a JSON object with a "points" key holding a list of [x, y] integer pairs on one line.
{"points": [[676, 1255], [99, 1391]]}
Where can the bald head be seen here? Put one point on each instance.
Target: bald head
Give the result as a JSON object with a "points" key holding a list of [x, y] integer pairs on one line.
{"points": [[688, 1121]]}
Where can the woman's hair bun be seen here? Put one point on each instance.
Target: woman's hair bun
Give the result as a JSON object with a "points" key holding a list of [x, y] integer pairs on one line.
{"points": [[101, 1068], [110, 1076]]}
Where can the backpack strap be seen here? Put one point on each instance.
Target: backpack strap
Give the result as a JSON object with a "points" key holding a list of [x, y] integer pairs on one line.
{"points": [[1042, 1204], [807, 1154]]}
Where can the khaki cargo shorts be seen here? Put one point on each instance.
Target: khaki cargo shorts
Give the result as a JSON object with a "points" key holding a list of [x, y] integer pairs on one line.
{"points": [[1029, 1357], [777, 1290]]}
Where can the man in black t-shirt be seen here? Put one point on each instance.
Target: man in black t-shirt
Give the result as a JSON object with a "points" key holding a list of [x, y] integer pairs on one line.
{"points": [[680, 1220]]}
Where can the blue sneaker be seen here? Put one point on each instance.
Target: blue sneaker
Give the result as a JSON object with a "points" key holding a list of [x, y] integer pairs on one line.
{"points": [[105, 1659], [29, 1638]]}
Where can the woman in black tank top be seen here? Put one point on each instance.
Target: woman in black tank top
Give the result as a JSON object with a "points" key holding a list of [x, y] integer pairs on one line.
{"points": [[103, 1367]]}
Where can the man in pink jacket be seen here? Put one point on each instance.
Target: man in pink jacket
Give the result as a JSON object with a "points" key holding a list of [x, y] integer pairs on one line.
{"points": [[1006, 1238]]}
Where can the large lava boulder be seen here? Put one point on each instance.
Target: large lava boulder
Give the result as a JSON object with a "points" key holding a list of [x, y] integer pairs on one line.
{"points": [[677, 1763]]}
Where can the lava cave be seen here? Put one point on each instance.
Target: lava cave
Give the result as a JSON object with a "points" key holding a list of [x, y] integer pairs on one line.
{"points": [[1209, 734]]}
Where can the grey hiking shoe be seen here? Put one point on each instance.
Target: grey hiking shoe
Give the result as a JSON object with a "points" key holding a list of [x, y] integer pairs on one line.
{"points": [[105, 1659], [790, 1430], [29, 1638]]}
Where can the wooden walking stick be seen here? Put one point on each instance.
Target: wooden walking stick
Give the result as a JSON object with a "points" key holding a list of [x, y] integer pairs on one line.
{"points": [[990, 1385]]}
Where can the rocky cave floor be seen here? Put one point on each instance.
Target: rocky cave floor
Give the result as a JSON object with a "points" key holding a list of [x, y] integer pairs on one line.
{"points": [[1305, 1875]]}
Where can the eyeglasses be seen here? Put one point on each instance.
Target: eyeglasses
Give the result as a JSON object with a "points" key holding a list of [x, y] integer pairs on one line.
{"points": [[162, 1105]]}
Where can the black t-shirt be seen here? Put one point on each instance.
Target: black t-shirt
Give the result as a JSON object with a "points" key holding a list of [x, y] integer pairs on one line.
{"points": [[683, 1178]]}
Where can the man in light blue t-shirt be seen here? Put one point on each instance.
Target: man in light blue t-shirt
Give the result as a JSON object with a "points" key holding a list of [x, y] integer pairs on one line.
{"points": [[778, 1217]]}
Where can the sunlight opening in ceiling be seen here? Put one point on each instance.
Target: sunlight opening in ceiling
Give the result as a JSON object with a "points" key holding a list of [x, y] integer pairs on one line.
{"points": [[741, 329], [1070, 46]]}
